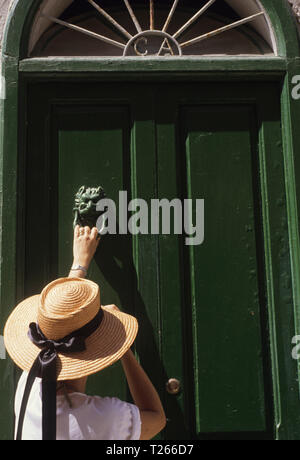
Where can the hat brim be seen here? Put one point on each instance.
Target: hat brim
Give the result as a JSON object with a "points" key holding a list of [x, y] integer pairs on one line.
{"points": [[104, 347]]}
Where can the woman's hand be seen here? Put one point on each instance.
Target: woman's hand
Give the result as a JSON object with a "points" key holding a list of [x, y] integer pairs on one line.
{"points": [[112, 307], [85, 243]]}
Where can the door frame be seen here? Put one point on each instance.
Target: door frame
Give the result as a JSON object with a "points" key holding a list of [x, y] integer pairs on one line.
{"points": [[16, 71], [149, 304]]}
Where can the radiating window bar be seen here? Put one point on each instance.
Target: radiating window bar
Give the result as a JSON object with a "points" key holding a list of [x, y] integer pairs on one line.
{"points": [[220, 30], [139, 29]]}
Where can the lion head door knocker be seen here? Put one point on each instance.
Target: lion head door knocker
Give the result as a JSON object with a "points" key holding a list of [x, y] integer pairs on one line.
{"points": [[85, 207]]}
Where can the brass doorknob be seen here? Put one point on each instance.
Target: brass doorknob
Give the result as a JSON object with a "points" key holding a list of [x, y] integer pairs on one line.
{"points": [[173, 386]]}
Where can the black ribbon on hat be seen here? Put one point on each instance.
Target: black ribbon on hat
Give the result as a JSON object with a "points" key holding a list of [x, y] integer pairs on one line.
{"points": [[45, 367]]}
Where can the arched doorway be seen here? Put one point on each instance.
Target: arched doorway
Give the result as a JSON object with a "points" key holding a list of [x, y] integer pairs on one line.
{"points": [[145, 29], [202, 125]]}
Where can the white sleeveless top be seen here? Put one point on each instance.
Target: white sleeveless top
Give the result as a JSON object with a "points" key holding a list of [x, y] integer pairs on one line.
{"points": [[89, 418]]}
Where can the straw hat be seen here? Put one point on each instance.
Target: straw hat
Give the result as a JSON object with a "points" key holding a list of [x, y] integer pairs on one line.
{"points": [[64, 306]]}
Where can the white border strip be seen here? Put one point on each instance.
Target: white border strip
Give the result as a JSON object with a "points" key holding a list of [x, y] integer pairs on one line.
{"points": [[2, 348], [2, 88]]}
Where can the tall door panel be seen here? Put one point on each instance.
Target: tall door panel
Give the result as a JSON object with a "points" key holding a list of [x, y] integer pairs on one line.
{"points": [[93, 145], [213, 299], [221, 163], [72, 145]]}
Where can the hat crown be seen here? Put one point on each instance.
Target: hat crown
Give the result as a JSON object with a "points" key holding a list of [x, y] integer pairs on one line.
{"points": [[67, 304]]}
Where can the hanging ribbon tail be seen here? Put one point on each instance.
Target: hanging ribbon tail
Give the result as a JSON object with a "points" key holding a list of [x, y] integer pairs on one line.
{"points": [[48, 367], [33, 373], [48, 359], [49, 410], [44, 366]]}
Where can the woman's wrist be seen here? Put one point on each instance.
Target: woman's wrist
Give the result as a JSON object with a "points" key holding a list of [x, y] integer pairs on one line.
{"points": [[77, 274], [81, 263], [79, 269]]}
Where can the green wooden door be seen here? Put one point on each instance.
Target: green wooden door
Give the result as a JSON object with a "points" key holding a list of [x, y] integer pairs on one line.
{"points": [[204, 310]]}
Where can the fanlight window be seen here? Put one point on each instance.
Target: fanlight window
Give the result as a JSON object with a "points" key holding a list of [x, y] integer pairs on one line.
{"points": [[151, 28]]}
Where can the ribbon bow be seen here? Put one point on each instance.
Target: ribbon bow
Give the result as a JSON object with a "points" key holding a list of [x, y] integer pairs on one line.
{"points": [[45, 367]]}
